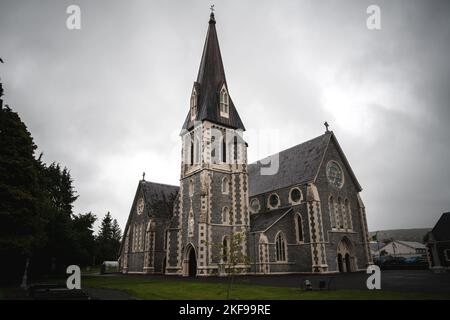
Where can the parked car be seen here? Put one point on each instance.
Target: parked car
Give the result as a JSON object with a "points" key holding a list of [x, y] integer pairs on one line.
{"points": [[416, 260]]}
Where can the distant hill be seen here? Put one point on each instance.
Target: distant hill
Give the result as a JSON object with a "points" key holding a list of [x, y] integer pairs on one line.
{"points": [[401, 234]]}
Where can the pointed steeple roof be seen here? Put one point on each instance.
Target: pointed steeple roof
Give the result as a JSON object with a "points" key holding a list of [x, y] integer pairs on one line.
{"points": [[210, 80]]}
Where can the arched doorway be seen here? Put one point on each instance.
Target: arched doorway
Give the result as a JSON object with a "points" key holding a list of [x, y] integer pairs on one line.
{"points": [[340, 263], [348, 264], [190, 262], [346, 256], [163, 271]]}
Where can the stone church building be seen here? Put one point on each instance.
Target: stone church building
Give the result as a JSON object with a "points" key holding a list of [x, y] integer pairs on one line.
{"points": [[300, 210]]}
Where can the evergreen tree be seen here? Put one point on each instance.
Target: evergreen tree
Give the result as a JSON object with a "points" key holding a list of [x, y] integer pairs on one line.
{"points": [[22, 203], [61, 248], [116, 232], [36, 203], [108, 239], [83, 226], [106, 230]]}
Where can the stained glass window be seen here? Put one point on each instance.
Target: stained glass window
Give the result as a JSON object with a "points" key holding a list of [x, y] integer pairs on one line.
{"points": [[334, 174]]}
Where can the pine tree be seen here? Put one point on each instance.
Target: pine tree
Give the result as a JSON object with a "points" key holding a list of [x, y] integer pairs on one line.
{"points": [[83, 226], [62, 248], [116, 232], [106, 230], [108, 239], [22, 203], [36, 202]]}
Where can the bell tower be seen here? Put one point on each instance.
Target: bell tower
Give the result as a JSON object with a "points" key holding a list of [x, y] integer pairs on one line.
{"points": [[213, 197]]}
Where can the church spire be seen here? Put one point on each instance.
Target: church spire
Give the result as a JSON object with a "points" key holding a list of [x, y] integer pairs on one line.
{"points": [[211, 85], [211, 72]]}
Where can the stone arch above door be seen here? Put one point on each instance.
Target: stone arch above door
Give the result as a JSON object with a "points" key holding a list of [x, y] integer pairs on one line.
{"points": [[345, 256]]}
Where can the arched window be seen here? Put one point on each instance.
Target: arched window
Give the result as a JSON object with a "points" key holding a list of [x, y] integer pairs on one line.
{"points": [[213, 150], [340, 214], [280, 247], [235, 148], [349, 214], [226, 219], [332, 213], [224, 150], [225, 249], [135, 232], [216, 145], [198, 150], [299, 221], [224, 102], [194, 105], [191, 223], [225, 185], [192, 152]]}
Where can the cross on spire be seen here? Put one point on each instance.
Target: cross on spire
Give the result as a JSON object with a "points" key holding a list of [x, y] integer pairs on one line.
{"points": [[211, 16], [326, 126], [143, 176]]}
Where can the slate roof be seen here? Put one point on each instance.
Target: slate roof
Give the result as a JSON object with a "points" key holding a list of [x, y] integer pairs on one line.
{"points": [[263, 220], [412, 244], [210, 79], [441, 230], [159, 198], [375, 246], [298, 164]]}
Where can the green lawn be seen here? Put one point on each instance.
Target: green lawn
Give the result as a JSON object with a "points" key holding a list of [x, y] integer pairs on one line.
{"points": [[183, 290]]}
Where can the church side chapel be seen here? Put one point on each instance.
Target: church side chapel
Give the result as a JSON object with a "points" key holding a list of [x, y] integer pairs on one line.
{"points": [[306, 217]]}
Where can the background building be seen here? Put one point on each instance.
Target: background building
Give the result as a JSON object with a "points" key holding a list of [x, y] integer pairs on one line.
{"points": [[438, 244]]}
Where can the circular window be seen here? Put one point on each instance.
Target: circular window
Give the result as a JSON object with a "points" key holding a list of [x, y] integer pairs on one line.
{"points": [[140, 206], [254, 205], [274, 200], [334, 174], [296, 195]]}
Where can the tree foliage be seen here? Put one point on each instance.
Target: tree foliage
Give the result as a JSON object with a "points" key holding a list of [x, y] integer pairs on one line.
{"points": [[233, 259], [108, 239], [37, 223], [22, 201]]}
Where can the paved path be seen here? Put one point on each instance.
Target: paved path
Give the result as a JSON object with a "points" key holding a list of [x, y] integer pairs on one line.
{"points": [[107, 294]]}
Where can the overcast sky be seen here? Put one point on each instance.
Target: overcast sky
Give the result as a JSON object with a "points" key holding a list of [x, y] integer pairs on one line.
{"points": [[109, 100]]}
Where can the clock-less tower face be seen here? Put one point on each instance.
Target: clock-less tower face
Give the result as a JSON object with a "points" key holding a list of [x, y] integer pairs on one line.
{"points": [[334, 174], [140, 206]]}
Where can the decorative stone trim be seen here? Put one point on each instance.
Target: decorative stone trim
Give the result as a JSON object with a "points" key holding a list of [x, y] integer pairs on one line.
{"points": [[318, 252], [364, 229]]}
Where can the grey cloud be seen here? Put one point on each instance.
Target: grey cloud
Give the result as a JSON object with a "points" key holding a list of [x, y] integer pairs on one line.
{"points": [[108, 101]]}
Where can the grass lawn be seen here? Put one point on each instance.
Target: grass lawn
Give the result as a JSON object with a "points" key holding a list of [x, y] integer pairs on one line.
{"points": [[184, 290]]}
